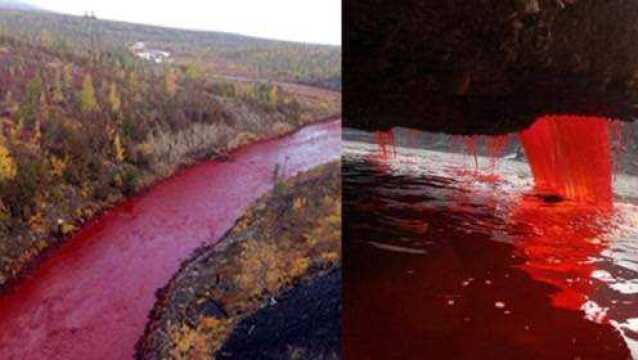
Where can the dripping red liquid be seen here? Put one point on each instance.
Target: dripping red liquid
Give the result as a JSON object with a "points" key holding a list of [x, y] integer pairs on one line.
{"points": [[385, 140]]}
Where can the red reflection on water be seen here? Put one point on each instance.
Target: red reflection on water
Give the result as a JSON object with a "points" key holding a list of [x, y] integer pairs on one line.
{"points": [[570, 156], [558, 243]]}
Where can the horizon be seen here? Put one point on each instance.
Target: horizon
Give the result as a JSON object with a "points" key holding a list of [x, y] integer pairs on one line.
{"points": [[302, 21]]}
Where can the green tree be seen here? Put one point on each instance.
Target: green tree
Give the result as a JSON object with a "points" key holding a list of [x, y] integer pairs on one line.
{"points": [[87, 99], [29, 108], [133, 84], [41, 116], [193, 72]]}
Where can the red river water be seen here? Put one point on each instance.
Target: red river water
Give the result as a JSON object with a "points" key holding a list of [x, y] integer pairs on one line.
{"points": [[90, 299], [491, 255]]}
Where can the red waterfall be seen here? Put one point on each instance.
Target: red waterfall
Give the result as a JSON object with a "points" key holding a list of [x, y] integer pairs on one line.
{"points": [[570, 156]]}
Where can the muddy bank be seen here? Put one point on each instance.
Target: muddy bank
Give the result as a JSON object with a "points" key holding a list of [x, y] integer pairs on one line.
{"points": [[289, 239], [91, 297], [303, 323]]}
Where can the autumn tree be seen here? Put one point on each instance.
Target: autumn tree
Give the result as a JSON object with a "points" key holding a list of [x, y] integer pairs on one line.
{"points": [[8, 168], [275, 96], [87, 99], [45, 39], [67, 75], [118, 149], [114, 98], [170, 82], [58, 93]]}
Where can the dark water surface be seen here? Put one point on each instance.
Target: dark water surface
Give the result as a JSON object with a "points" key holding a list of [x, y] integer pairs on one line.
{"points": [[446, 262]]}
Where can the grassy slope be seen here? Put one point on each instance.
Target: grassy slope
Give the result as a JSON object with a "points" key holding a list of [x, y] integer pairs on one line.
{"points": [[212, 51], [290, 234]]}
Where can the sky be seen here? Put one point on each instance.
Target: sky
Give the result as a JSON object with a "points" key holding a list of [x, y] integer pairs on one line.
{"points": [[313, 21]]}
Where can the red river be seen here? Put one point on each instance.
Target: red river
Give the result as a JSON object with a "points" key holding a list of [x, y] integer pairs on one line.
{"points": [[90, 299]]}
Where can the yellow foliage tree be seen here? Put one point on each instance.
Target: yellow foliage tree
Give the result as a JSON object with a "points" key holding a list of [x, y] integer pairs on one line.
{"points": [[58, 166], [276, 97], [114, 99], [133, 82], [8, 168], [88, 102], [118, 149]]}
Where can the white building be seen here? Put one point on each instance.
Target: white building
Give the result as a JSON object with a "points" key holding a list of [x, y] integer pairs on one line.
{"points": [[156, 56]]}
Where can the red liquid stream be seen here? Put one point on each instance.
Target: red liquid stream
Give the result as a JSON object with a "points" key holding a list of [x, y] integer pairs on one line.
{"points": [[91, 298]]}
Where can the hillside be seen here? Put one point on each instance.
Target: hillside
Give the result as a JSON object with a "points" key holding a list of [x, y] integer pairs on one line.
{"points": [[80, 130], [209, 52]]}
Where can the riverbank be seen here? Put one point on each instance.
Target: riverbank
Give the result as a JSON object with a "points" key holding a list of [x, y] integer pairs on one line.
{"points": [[289, 239]]}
